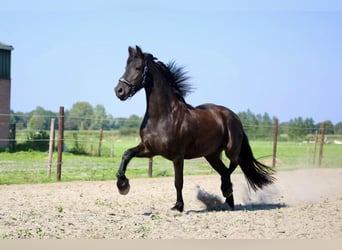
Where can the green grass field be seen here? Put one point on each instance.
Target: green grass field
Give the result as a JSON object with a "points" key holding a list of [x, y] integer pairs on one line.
{"points": [[31, 167]]}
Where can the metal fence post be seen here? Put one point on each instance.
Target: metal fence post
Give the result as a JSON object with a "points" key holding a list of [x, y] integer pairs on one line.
{"points": [[52, 133], [275, 141], [321, 144], [60, 143]]}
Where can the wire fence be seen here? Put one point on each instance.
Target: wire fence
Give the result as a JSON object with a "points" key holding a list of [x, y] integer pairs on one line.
{"points": [[88, 136], [95, 154], [129, 126]]}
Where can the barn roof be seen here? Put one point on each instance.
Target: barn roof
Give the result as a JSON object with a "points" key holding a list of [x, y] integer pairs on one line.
{"points": [[5, 46]]}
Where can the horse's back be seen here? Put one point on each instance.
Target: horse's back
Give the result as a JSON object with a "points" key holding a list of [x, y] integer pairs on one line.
{"points": [[224, 112]]}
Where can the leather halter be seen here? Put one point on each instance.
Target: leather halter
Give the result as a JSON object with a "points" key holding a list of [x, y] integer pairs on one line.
{"points": [[133, 88]]}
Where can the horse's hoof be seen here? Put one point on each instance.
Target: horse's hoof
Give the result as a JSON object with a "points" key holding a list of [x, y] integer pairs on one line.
{"points": [[228, 192], [125, 191], [178, 207], [123, 185], [230, 202]]}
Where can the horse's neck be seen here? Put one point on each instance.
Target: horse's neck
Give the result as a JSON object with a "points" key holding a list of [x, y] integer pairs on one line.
{"points": [[161, 101]]}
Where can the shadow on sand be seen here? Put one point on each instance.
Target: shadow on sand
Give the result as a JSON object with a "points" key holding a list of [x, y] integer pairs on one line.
{"points": [[259, 206], [240, 207], [214, 203]]}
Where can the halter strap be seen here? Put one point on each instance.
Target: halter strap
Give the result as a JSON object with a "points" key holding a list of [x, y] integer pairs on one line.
{"points": [[133, 88], [126, 82]]}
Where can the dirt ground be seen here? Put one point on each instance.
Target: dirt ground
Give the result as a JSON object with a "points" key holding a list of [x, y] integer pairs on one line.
{"points": [[302, 204]]}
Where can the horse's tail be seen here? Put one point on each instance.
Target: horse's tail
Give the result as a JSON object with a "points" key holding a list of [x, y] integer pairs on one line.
{"points": [[257, 174]]}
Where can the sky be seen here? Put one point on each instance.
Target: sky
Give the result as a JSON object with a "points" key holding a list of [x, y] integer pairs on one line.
{"points": [[279, 57]]}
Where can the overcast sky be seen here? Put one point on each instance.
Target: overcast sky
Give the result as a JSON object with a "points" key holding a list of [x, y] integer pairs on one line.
{"points": [[283, 58]]}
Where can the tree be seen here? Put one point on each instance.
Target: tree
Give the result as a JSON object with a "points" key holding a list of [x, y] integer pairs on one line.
{"points": [[118, 123], [297, 129], [266, 127], [40, 119], [37, 122], [310, 126], [257, 126], [249, 122], [20, 119], [133, 122], [338, 128], [79, 116], [329, 127], [284, 128], [100, 118]]}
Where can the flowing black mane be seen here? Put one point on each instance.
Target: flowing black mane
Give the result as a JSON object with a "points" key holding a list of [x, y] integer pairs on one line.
{"points": [[177, 78]]}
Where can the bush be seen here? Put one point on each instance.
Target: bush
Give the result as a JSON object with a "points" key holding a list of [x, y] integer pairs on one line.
{"points": [[78, 149], [128, 132], [38, 141]]}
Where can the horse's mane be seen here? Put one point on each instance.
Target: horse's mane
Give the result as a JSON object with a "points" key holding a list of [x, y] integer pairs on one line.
{"points": [[177, 78]]}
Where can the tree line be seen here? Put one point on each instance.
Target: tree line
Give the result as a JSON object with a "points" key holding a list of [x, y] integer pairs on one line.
{"points": [[83, 116], [258, 126]]}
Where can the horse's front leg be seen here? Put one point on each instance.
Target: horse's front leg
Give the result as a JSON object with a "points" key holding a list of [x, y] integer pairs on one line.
{"points": [[122, 182], [178, 167]]}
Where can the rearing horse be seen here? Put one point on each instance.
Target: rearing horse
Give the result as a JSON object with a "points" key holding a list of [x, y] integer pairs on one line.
{"points": [[177, 131]]}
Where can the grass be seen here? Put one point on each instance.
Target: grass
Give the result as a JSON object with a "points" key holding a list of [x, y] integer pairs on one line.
{"points": [[31, 167], [293, 155]]}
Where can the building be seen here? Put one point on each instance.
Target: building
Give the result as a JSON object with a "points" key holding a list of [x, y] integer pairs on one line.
{"points": [[5, 93]]}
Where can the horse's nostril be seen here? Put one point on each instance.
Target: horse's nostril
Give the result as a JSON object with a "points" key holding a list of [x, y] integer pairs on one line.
{"points": [[119, 91]]}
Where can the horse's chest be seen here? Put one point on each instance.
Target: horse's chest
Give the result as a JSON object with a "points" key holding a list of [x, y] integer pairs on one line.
{"points": [[161, 139]]}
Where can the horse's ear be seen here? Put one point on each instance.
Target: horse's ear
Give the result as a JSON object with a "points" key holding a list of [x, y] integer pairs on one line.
{"points": [[139, 51], [131, 51]]}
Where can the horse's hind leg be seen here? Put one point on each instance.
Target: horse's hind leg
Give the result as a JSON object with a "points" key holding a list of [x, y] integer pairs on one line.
{"points": [[226, 184], [230, 198]]}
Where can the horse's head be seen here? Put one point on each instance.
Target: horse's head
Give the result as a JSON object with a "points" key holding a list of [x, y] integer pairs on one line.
{"points": [[135, 74]]}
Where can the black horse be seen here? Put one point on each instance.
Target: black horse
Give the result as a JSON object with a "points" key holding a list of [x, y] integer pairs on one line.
{"points": [[177, 131]]}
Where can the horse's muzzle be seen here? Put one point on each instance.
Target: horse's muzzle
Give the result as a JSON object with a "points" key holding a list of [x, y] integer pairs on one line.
{"points": [[121, 92]]}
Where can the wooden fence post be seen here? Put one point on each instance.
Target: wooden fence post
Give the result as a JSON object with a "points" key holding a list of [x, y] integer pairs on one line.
{"points": [[321, 145], [60, 142], [275, 141], [52, 133], [150, 166], [315, 147], [100, 142]]}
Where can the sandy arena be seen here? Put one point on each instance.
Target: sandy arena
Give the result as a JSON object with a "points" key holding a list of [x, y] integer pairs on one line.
{"points": [[303, 204]]}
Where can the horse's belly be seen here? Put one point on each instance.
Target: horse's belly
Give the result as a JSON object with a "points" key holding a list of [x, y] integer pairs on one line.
{"points": [[202, 149]]}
